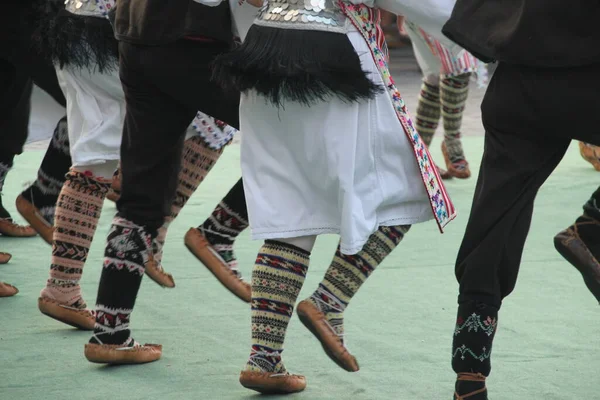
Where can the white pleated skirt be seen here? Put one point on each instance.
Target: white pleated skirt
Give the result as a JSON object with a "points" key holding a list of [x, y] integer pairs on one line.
{"points": [[335, 167]]}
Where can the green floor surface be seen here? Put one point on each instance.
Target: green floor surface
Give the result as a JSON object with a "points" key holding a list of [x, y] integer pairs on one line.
{"points": [[399, 326]]}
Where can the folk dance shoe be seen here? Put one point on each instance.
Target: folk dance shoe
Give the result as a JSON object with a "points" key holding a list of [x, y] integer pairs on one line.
{"points": [[9, 228], [470, 386], [156, 272], [459, 169], [579, 244], [33, 216], [4, 258], [272, 383], [130, 352], [199, 246], [7, 290], [80, 318], [314, 320]]}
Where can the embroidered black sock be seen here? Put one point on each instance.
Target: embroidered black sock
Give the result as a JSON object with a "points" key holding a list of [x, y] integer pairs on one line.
{"points": [[43, 193], [127, 249]]}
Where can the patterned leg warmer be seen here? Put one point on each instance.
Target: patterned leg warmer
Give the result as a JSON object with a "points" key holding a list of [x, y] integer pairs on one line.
{"points": [[197, 161], [346, 274], [43, 193], [454, 93], [77, 213], [476, 325], [277, 279], [127, 251], [5, 166], [227, 221], [428, 112]]}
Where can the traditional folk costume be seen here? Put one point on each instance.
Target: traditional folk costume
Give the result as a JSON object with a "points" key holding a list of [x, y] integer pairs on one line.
{"points": [[327, 147], [539, 67], [21, 65], [166, 77], [444, 93], [80, 41]]}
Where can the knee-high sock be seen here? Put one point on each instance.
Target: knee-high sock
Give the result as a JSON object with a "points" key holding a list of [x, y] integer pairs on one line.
{"points": [[226, 222], [77, 213], [127, 250], [474, 332], [346, 274], [277, 279], [196, 162], [428, 112], [6, 163], [43, 193], [454, 94]]}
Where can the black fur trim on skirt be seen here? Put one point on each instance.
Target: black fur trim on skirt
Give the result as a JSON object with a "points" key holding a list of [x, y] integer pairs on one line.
{"points": [[76, 41], [304, 66]]}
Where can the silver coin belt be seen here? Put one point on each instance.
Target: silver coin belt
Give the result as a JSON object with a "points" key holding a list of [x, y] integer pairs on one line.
{"points": [[90, 8], [322, 15]]}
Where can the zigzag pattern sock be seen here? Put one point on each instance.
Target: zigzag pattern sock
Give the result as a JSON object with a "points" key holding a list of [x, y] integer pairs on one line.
{"points": [[197, 161], [5, 166], [428, 112], [277, 279], [347, 273], [44, 192], [227, 221], [476, 325], [77, 213], [454, 94], [127, 250]]}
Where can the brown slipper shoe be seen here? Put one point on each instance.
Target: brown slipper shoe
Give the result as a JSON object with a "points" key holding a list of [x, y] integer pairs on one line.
{"points": [[118, 354], [199, 247], [314, 320], [271, 383], [4, 258], [591, 154], [158, 275], [35, 219], [7, 290], [10, 229], [458, 170], [78, 318]]}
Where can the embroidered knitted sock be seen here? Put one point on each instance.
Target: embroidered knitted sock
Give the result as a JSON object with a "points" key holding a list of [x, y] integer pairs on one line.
{"points": [[43, 193], [78, 210], [5, 166], [428, 112], [127, 250], [454, 93], [476, 325], [227, 221], [277, 279], [197, 161], [347, 273]]}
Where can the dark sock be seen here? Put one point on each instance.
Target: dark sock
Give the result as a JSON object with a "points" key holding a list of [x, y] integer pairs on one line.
{"points": [[43, 193], [127, 249], [6, 162], [226, 222], [476, 325]]}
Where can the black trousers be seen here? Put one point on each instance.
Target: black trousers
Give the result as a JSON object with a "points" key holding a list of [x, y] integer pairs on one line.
{"points": [[164, 88], [20, 66], [530, 116]]}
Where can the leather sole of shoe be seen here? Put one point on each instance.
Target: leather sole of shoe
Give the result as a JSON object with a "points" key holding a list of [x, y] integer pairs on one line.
{"points": [[193, 239], [115, 354], [33, 217], [265, 384], [563, 243], [79, 319], [160, 277], [326, 342]]}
